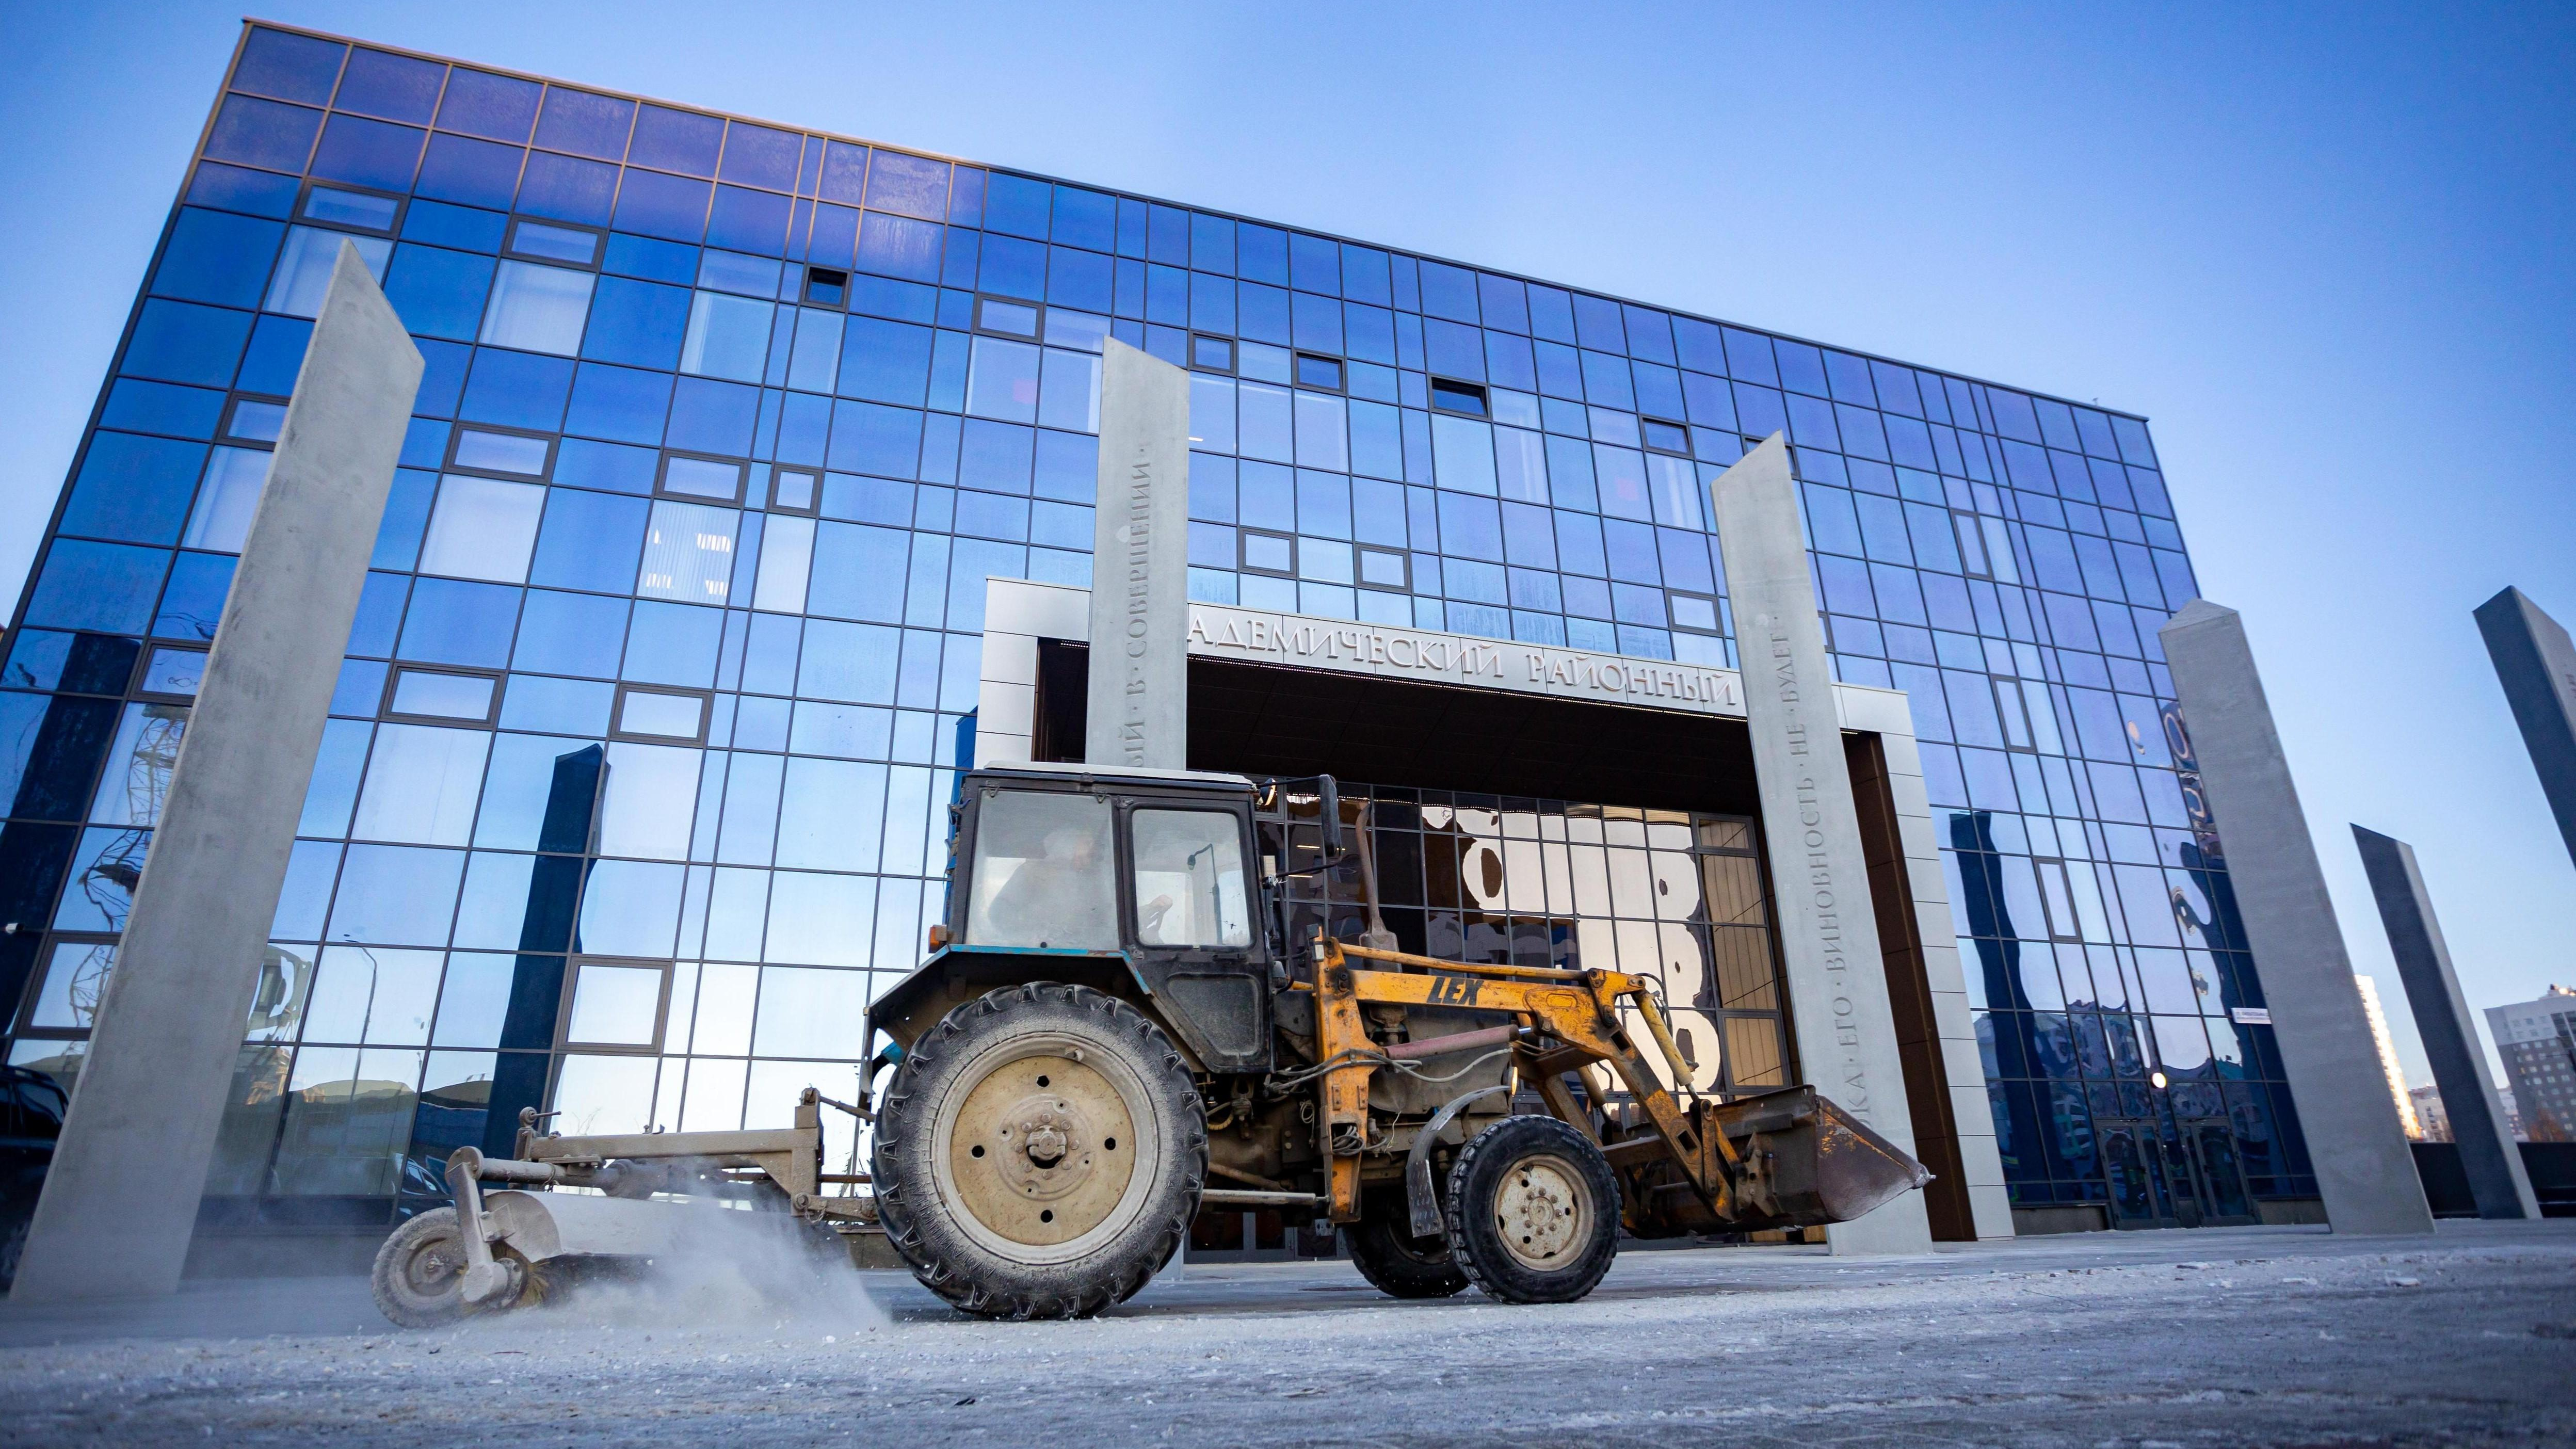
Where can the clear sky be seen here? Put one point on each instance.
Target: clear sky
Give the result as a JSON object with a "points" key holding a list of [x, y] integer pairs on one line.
{"points": [[2326, 250]]}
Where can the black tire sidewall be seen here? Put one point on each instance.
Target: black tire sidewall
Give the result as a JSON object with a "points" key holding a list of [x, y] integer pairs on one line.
{"points": [[922, 1227], [1477, 1177], [1394, 1261]]}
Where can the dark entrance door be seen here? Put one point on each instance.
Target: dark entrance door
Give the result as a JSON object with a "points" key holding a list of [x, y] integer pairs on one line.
{"points": [[2132, 1156], [2221, 1173]]}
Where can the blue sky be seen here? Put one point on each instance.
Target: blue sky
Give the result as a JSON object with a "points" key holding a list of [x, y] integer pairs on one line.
{"points": [[2325, 250]]}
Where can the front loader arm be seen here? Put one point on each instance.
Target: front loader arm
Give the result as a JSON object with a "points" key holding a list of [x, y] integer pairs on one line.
{"points": [[1566, 1020]]}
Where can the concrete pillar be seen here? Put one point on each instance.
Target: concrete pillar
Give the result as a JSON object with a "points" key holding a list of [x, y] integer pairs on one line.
{"points": [[1838, 999], [2494, 1165], [1138, 713], [120, 1203], [2364, 1170], [2537, 666]]}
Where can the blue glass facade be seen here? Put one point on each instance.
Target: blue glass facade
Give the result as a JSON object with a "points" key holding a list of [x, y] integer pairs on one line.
{"points": [[634, 786]]}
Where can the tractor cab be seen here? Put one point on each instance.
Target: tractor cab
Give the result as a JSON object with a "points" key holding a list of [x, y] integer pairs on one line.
{"points": [[1144, 884]]}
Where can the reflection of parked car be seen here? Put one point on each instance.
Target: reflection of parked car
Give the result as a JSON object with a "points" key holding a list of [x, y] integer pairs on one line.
{"points": [[31, 1117]]}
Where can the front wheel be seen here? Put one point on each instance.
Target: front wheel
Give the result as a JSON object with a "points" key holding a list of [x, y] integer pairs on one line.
{"points": [[419, 1277], [1533, 1211], [1040, 1153]]}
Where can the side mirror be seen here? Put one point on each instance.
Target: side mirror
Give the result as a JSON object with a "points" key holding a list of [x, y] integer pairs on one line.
{"points": [[1330, 806]]}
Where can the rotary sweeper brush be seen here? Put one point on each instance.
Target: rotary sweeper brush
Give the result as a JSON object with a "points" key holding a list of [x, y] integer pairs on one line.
{"points": [[1113, 1031]]}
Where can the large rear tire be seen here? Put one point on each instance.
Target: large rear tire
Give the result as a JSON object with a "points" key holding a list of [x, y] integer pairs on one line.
{"points": [[1040, 1153], [1533, 1211], [1394, 1261]]}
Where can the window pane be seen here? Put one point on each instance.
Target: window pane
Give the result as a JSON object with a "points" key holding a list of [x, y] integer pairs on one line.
{"points": [[559, 242], [422, 782], [537, 308], [234, 478], [448, 696], [139, 765], [615, 1005], [304, 270], [501, 453], [483, 528], [1002, 381], [728, 337], [377, 995], [75, 981], [174, 671], [647, 713], [1042, 863], [652, 797], [688, 553], [805, 1012], [1189, 879]]}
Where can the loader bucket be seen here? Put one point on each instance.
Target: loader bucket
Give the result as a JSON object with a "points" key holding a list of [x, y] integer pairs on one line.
{"points": [[1808, 1161]]}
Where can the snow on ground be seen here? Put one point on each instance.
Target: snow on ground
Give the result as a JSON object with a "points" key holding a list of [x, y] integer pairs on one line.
{"points": [[2219, 1337]]}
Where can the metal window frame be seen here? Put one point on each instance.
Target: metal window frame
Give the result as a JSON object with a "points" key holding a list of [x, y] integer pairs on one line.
{"points": [[143, 665], [1404, 566], [662, 476], [810, 510], [805, 289], [1484, 394], [20, 1021], [1034, 338], [456, 440], [2010, 705], [511, 251], [304, 199], [1716, 612], [1233, 353], [566, 1042], [397, 669], [1644, 437], [1243, 559], [225, 437], [617, 711], [1965, 525], [1341, 371]]}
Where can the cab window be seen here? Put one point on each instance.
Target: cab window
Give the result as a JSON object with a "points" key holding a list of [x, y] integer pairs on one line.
{"points": [[1189, 879], [1042, 872]]}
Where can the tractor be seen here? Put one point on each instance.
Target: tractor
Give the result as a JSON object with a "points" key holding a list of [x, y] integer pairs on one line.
{"points": [[1114, 1030]]}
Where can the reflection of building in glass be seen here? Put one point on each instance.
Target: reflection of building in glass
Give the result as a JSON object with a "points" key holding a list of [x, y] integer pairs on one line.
{"points": [[2429, 1115], [2537, 1040], [2388, 1067], [665, 664]]}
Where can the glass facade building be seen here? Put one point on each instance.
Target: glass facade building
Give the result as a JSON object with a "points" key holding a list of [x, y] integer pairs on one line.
{"points": [[634, 790]]}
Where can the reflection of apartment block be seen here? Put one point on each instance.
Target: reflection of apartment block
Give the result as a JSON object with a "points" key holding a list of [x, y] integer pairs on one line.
{"points": [[2388, 1057], [2429, 1114], [2537, 1040]]}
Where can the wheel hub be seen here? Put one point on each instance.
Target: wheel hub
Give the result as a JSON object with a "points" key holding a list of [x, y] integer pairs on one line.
{"points": [[1543, 1212], [433, 1269], [1043, 1150]]}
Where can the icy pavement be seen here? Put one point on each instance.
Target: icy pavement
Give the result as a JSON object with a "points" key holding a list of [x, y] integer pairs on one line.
{"points": [[2218, 1337]]}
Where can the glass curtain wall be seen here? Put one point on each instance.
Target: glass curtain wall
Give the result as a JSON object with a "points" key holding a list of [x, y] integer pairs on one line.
{"points": [[632, 793]]}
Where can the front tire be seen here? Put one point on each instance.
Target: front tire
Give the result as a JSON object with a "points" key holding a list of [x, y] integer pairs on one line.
{"points": [[1040, 1153], [1533, 1211], [419, 1277], [1394, 1261]]}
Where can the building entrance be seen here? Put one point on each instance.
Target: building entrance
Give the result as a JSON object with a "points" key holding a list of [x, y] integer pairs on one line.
{"points": [[2166, 1172], [1514, 825]]}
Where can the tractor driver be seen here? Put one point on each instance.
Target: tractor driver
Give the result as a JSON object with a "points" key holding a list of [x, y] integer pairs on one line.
{"points": [[1060, 897]]}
